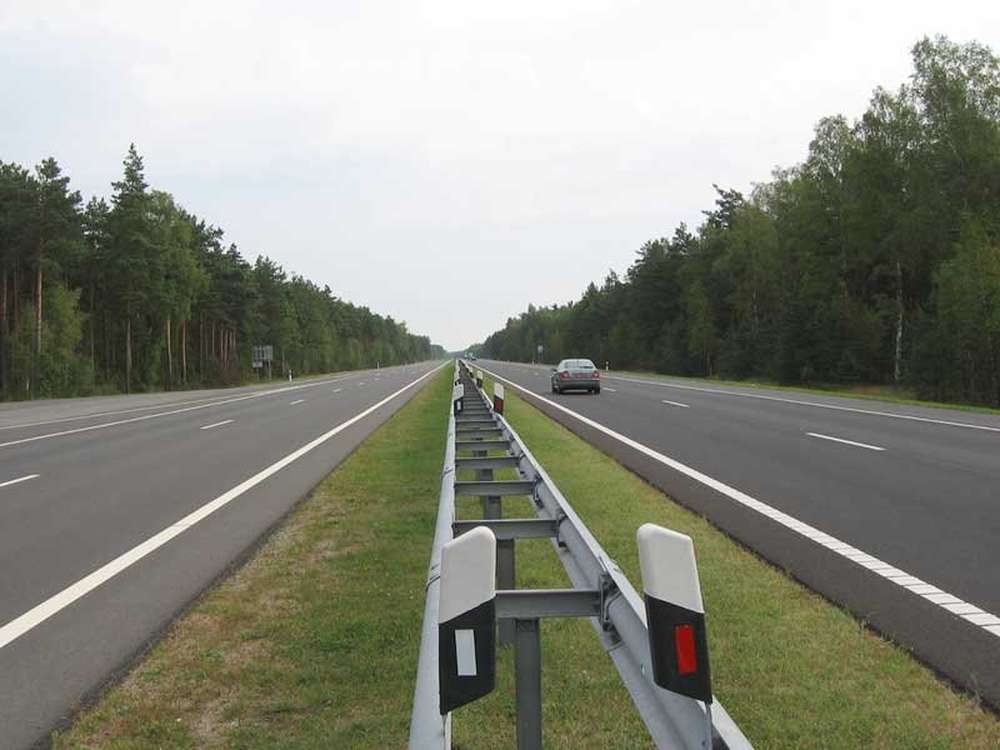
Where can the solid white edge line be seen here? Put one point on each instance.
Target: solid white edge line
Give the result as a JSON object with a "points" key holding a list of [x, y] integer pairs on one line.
{"points": [[57, 602], [26, 478], [675, 403], [799, 402], [216, 424], [845, 442], [883, 569]]}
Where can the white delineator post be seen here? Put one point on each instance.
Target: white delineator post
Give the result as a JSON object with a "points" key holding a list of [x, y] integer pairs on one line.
{"points": [[498, 398], [675, 614], [467, 619], [479, 378], [458, 398]]}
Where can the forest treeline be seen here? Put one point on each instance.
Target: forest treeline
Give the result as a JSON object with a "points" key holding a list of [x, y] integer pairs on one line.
{"points": [[140, 294], [876, 260]]}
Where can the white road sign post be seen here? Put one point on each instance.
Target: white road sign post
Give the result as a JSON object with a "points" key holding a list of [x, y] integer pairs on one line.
{"points": [[675, 615], [498, 398], [467, 619]]}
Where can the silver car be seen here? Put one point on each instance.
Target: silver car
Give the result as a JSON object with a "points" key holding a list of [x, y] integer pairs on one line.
{"points": [[576, 375]]}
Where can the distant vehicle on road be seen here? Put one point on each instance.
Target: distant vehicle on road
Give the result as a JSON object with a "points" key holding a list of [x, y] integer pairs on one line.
{"points": [[576, 375], [470, 356]]}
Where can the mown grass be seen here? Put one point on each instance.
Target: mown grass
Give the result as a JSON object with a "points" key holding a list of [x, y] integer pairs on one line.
{"points": [[313, 644]]}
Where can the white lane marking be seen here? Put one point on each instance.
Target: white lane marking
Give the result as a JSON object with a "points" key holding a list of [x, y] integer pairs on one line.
{"points": [[798, 402], [54, 604], [210, 399], [296, 401], [143, 418], [971, 613], [675, 403], [465, 652], [337, 390], [25, 478], [361, 383], [610, 390], [845, 442], [217, 424]]}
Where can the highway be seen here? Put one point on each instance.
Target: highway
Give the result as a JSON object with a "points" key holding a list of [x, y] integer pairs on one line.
{"points": [[115, 513], [892, 511]]}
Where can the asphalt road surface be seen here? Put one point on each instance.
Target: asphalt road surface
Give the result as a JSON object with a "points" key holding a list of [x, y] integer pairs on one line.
{"points": [[892, 511], [116, 512]]}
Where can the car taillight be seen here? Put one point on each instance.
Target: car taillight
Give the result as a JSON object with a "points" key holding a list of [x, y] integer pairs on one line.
{"points": [[564, 375], [597, 374]]}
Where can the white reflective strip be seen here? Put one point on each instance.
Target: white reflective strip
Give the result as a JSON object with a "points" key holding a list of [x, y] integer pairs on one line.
{"points": [[465, 652]]}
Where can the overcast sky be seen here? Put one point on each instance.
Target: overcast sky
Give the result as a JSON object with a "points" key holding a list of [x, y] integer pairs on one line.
{"points": [[447, 163]]}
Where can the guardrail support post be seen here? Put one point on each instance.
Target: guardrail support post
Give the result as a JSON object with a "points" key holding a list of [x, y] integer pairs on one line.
{"points": [[505, 580], [528, 683], [493, 510]]}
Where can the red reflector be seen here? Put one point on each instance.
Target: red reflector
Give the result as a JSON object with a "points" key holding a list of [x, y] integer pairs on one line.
{"points": [[687, 660]]}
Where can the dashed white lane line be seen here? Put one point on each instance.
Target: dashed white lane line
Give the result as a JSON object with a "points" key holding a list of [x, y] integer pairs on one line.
{"points": [[25, 478], [361, 383], [609, 390], [296, 401], [845, 442], [56, 603], [815, 404], [675, 403], [217, 424], [968, 612], [144, 417], [337, 390]]}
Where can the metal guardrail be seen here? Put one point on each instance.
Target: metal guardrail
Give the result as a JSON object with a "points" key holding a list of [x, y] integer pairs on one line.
{"points": [[601, 591]]}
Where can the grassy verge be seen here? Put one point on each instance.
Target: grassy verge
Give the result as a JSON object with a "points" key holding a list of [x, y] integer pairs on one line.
{"points": [[313, 644], [825, 682]]}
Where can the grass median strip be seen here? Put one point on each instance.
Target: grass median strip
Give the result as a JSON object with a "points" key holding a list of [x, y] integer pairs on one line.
{"points": [[792, 670]]}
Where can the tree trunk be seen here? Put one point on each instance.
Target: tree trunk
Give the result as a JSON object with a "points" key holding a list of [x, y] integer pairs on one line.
{"points": [[37, 353], [201, 349], [170, 357], [898, 360], [93, 329], [184, 356], [128, 354], [3, 331]]}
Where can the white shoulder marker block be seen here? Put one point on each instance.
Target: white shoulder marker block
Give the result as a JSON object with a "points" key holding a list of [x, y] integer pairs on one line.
{"points": [[669, 569], [498, 398], [467, 619], [675, 612]]}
